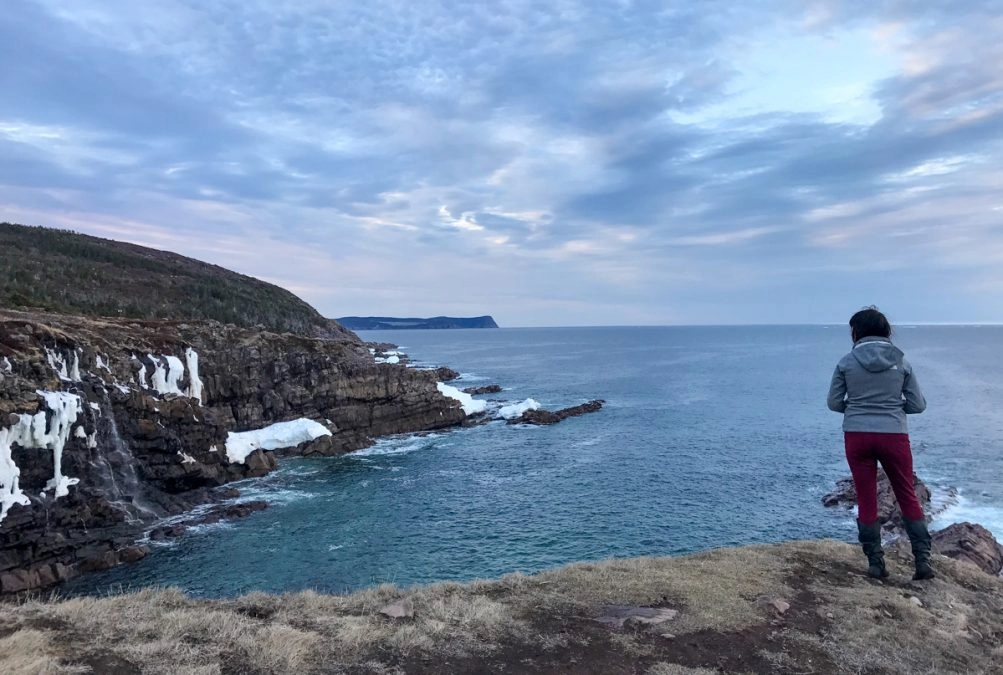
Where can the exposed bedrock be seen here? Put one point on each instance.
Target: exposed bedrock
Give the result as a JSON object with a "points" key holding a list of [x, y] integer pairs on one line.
{"points": [[971, 543], [553, 417], [139, 429]]}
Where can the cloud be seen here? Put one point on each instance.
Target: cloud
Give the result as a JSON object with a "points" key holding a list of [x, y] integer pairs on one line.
{"points": [[577, 162]]}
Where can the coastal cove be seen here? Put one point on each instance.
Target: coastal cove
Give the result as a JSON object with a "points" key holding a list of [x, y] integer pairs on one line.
{"points": [[710, 437]]}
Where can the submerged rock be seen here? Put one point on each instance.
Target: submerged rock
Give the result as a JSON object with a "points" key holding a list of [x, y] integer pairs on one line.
{"points": [[211, 517]]}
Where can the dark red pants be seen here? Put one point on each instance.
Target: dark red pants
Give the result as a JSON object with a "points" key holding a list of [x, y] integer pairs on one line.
{"points": [[863, 452]]}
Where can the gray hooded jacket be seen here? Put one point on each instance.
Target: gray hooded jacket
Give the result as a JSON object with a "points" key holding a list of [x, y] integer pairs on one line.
{"points": [[874, 387]]}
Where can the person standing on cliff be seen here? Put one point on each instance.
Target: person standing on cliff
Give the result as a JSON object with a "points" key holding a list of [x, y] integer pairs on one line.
{"points": [[875, 388]]}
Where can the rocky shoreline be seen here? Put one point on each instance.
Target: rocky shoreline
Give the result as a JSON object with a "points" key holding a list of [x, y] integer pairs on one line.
{"points": [[108, 427], [142, 430]]}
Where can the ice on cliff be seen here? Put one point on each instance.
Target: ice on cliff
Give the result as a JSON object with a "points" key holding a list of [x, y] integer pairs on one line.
{"points": [[194, 383], [282, 435], [168, 371], [36, 431], [67, 370], [469, 403], [166, 379]]}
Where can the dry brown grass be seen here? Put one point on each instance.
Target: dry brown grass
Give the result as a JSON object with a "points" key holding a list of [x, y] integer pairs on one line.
{"points": [[29, 651], [839, 621]]}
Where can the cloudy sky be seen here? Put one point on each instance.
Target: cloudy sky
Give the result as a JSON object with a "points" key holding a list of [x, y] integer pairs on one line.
{"points": [[561, 162]]}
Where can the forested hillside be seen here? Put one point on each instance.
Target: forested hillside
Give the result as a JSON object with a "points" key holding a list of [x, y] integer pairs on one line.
{"points": [[66, 272]]}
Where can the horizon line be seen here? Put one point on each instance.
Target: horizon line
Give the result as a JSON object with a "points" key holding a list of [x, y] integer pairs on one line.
{"points": [[901, 324]]}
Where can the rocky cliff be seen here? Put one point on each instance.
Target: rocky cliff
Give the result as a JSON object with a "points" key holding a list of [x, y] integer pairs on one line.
{"points": [[107, 425]]}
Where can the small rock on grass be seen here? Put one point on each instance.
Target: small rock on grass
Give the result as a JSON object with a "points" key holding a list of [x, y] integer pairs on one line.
{"points": [[778, 605], [399, 609], [617, 615]]}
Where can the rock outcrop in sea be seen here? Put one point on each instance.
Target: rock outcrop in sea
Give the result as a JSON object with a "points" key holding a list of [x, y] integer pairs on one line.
{"points": [[968, 542], [541, 417], [107, 426], [889, 514]]}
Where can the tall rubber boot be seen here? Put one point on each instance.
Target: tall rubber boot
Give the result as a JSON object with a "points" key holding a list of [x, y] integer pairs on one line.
{"points": [[870, 540], [919, 536]]}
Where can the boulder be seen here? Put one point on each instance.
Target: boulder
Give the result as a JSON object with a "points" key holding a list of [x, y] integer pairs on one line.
{"points": [[46, 576], [971, 543], [444, 374], [133, 553], [96, 563], [18, 580]]}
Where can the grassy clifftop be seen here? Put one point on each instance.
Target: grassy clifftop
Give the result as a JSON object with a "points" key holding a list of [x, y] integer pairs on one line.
{"points": [[800, 607], [73, 273]]}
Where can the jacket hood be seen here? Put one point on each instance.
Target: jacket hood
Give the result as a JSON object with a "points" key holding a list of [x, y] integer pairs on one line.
{"points": [[877, 355]]}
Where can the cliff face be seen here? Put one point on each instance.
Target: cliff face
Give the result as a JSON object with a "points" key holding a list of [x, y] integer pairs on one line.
{"points": [[139, 427]]}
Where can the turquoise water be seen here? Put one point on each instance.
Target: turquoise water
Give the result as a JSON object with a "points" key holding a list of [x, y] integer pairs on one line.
{"points": [[711, 436]]}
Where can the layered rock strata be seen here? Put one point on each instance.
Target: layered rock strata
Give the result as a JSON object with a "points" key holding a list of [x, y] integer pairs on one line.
{"points": [[139, 427]]}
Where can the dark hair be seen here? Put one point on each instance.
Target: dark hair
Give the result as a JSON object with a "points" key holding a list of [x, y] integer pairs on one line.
{"points": [[869, 322]]}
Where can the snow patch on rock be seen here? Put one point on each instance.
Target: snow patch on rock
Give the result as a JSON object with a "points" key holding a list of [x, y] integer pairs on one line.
{"points": [[282, 435], [469, 403]]}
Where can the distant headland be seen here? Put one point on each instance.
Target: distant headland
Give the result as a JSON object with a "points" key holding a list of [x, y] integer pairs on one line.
{"points": [[393, 323]]}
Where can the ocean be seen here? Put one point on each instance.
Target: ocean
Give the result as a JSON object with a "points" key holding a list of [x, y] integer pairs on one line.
{"points": [[710, 437]]}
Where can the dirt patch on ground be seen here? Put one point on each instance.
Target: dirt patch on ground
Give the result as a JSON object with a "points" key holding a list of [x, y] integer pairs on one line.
{"points": [[796, 608]]}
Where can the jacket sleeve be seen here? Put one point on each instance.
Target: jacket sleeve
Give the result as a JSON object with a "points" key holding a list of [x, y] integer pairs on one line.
{"points": [[837, 391], [914, 400]]}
